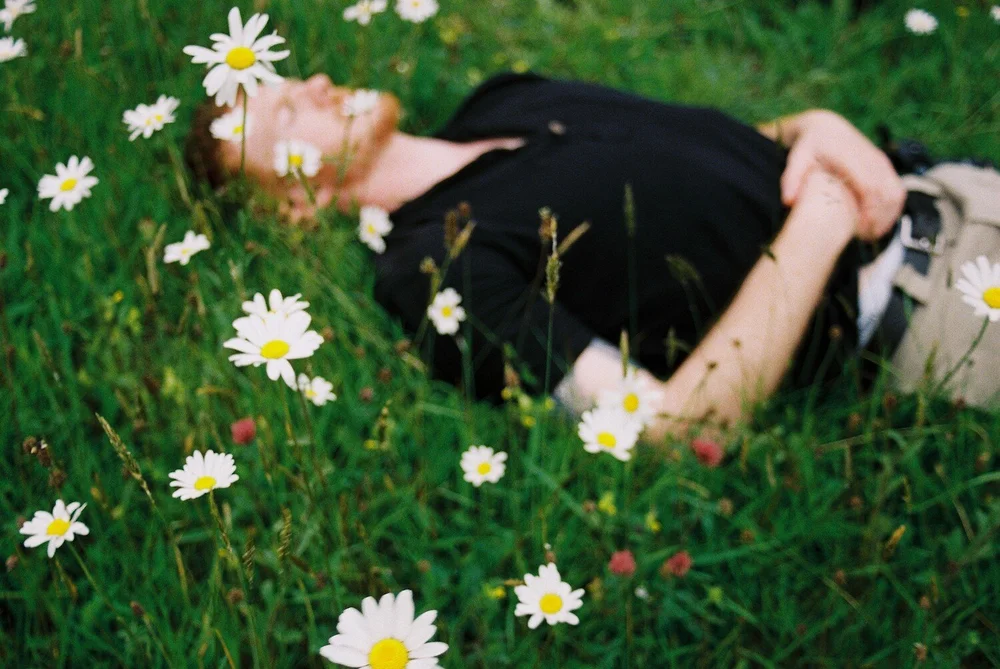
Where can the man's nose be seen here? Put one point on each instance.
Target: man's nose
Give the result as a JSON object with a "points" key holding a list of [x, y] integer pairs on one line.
{"points": [[319, 83]]}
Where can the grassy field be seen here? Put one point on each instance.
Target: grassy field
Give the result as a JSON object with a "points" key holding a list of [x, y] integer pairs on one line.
{"points": [[844, 528]]}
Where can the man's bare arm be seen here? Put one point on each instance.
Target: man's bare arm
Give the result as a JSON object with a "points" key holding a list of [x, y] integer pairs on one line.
{"points": [[747, 353], [721, 379]]}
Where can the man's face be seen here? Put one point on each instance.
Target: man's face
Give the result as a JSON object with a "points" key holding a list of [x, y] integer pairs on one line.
{"points": [[312, 111]]}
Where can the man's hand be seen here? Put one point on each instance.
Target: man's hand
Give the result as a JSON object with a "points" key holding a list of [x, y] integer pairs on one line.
{"points": [[821, 138]]}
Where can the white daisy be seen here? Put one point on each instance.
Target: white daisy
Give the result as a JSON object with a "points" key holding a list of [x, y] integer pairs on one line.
{"points": [[363, 11], [995, 13], [547, 597], [635, 395], [275, 304], [146, 119], [416, 11], [373, 226], [239, 58], [317, 390], [445, 312], [481, 464], [295, 156], [203, 473], [359, 103], [385, 635], [70, 184], [230, 127], [609, 430], [920, 22], [182, 251], [3, 195], [11, 48], [13, 9], [981, 287], [56, 528], [274, 341]]}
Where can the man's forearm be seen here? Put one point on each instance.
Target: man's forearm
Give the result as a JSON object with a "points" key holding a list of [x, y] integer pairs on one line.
{"points": [[746, 354]]}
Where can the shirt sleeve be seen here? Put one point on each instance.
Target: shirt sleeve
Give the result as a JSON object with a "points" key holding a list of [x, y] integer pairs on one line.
{"points": [[506, 313]]}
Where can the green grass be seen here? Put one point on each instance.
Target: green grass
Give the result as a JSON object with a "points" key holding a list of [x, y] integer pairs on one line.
{"points": [[797, 574]]}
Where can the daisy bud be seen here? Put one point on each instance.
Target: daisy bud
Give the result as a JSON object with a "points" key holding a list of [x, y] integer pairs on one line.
{"points": [[589, 506], [677, 565], [384, 375], [403, 346], [21, 520], [423, 566], [234, 596], [244, 430], [366, 394], [982, 461], [725, 507], [856, 503], [327, 333], [463, 239], [747, 536], [550, 556], [840, 577], [919, 652], [12, 563], [137, 609], [44, 454], [450, 229], [925, 602], [708, 452], [622, 563], [465, 210], [29, 445]]}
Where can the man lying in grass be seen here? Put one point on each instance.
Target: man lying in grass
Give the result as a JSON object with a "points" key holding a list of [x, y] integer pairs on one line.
{"points": [[725, 251]]}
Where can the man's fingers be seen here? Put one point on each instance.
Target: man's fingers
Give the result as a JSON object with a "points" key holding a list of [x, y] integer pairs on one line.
{"points": [[800, 161]]}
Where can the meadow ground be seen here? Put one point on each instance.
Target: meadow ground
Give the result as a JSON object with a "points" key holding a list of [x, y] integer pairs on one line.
{"points": [[844, 528]]}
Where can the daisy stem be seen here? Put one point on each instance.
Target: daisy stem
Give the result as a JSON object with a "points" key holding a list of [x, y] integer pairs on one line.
{"points": [[175, 158], [305, 184], [93, 584], [954, 370], [243, 137], [296, 446], [312, 438], [344, 160]]}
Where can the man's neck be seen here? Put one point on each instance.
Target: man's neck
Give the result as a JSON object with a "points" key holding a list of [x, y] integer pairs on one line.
{"points": [[409, 166]]}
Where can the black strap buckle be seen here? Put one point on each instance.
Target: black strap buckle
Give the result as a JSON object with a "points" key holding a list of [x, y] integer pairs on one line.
{"points": [[929, 245]]}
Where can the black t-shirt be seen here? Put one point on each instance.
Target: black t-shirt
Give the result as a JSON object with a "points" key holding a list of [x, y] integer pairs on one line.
{"points": [[706, 205]]}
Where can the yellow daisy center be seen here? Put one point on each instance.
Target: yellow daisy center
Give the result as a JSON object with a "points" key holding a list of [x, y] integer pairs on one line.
{"points": [[606, 439], [484, 468], [274, 349], [295, 160], [310, 393], [238, 130], [240, 58], [991, 296], [68, 185], [446, 312], [371, 229], [159, 117], [631, 402], [57, 527], [550, 603], [204, 483], [388, 654]]}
